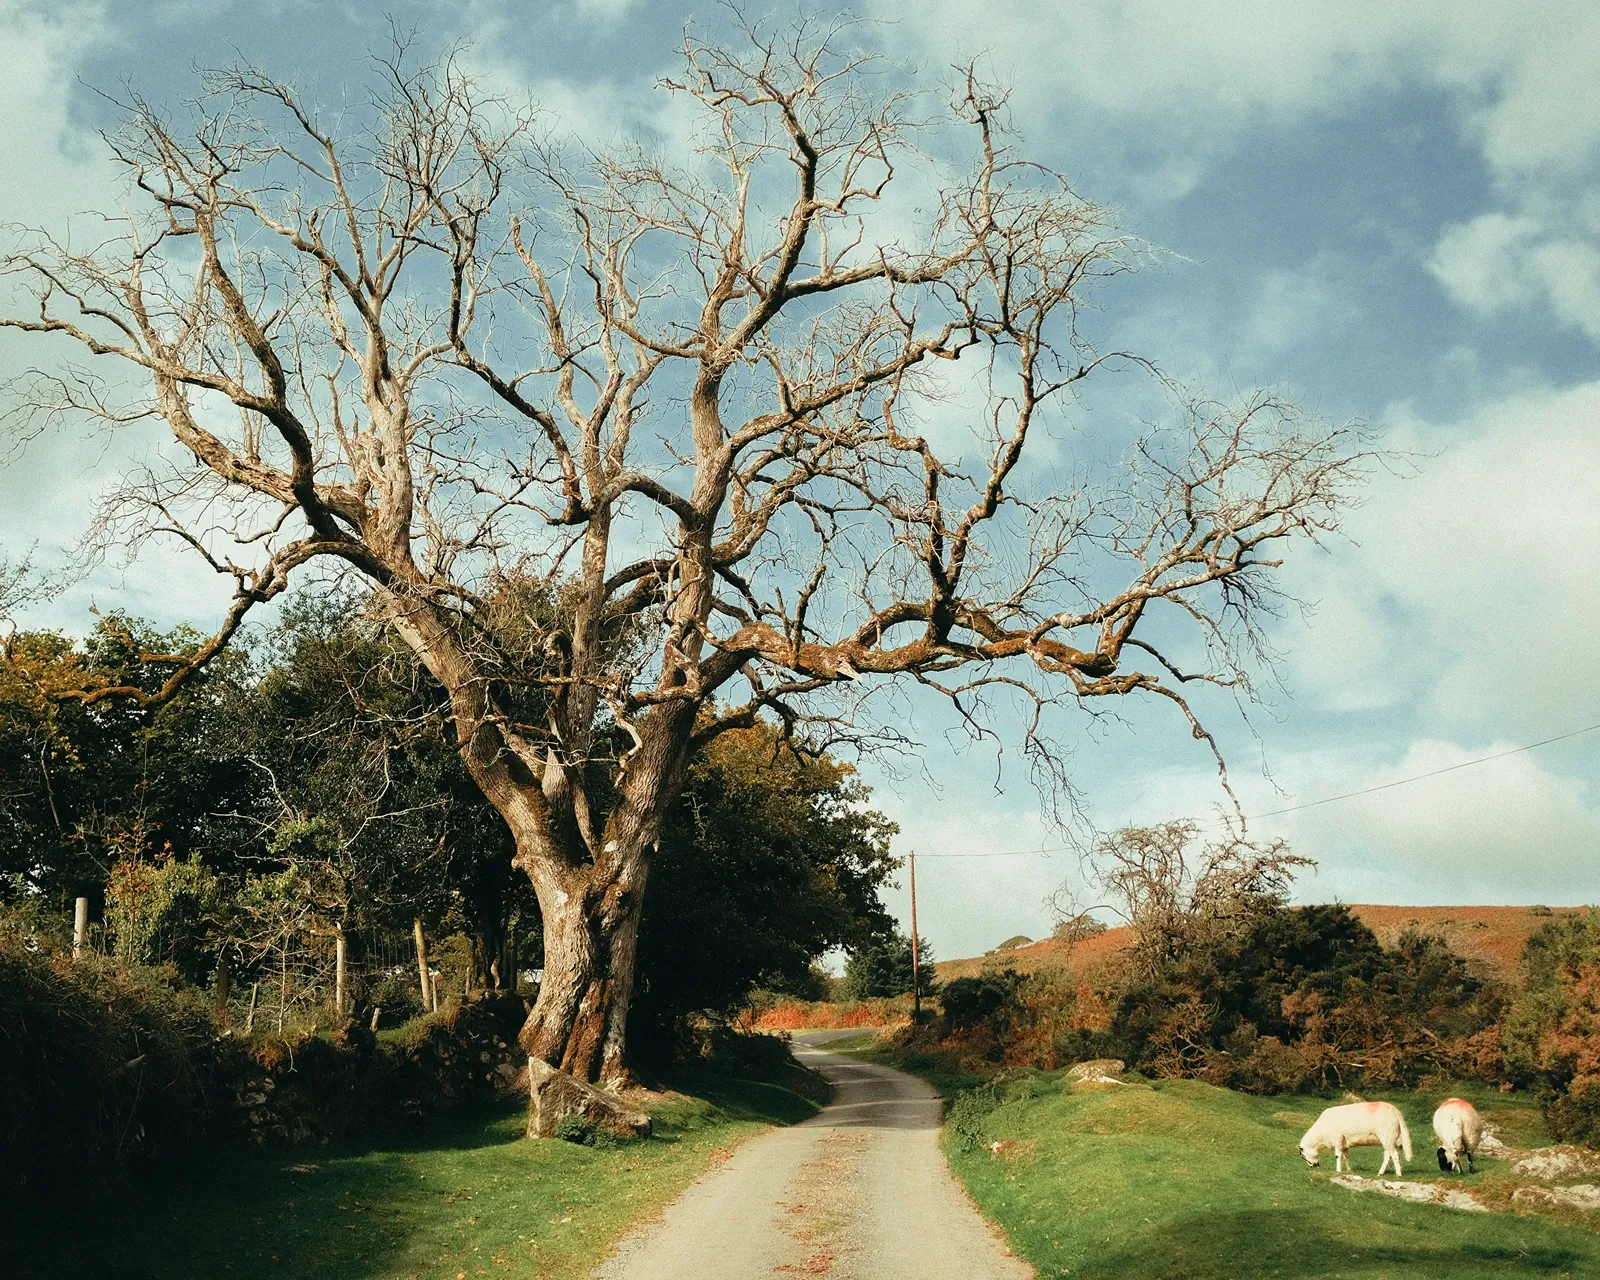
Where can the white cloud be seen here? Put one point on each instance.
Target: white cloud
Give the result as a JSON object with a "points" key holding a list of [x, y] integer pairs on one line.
{"points": [[1504, 831], [1509, 831], [1184, 84], [606, 10], [1543, 114], [965, 903], [52, 169], [1499, 261], [1471, 590], [1210, 69], [1478, 264], [1569, 273], [1293, 307]]}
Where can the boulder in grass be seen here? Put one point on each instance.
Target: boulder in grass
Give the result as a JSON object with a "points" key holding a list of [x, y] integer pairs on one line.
{"points": [[553, 1094], [1097, 1071]]}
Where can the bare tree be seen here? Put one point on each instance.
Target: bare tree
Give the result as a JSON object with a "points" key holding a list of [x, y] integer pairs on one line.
{"points": [[688, 402], [1176, 898]]}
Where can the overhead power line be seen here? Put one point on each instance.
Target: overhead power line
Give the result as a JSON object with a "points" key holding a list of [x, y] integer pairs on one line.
{"points": [[1310, 804], [1434, 773]]}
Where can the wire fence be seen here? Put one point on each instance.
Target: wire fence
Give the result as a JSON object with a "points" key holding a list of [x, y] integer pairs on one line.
{"points": [[290, 980], [295, 981]]}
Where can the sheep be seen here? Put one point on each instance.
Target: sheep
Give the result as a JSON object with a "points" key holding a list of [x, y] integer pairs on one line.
{"points": [[1459, 1130], [1359, 1124]]}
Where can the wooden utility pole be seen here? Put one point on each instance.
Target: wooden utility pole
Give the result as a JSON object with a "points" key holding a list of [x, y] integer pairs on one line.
{"points": [[916, 978], [80, 927]]}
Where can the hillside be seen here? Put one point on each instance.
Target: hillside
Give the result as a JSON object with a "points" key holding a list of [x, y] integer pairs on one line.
{"points": [[1185, 1179], [1490, 938], [1048, 953]]}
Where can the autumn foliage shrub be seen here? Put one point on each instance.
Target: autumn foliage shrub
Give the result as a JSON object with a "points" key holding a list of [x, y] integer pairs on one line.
{"points": [[1296, 998], [1553, 1031], [803, 1015]]}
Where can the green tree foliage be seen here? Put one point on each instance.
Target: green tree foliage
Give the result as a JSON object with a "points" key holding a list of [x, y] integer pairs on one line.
{"points": [[357, 777], [83, 786], [165, 911], [768, 859], [884, 968], [312, 787]]}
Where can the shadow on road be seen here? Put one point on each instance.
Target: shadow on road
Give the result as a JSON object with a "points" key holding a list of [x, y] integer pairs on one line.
{"points": [[867, 1095]]}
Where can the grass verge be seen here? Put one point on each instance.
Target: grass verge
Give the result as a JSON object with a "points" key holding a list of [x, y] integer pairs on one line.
{"points": [[1183, 1179], [467, 1197]]}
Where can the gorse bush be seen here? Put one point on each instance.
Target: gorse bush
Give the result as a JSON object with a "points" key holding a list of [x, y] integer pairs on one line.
{"points": [[1292, 998], [1305, 998], [967, 1001], [1553, 1030]]}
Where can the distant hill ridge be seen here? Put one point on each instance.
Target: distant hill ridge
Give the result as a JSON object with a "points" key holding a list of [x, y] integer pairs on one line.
{"points": [[1490, 938]]}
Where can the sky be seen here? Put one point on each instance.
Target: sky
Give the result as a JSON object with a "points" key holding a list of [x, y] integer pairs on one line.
{"points": [[1388, 211]]}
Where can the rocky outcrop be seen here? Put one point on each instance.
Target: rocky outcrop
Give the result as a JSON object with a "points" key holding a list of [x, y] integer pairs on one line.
{"points": [[553, 1094], [1581, 1196], [1416, 1192], [1558, 1162], [1098, 1071]]}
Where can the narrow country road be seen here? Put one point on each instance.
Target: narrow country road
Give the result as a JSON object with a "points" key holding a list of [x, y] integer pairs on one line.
{"points": [[858, 1192]]}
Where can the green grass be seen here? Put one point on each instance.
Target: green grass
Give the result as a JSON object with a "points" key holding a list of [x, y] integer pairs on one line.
{"points": [[470, 1196], [1187, 1180]]}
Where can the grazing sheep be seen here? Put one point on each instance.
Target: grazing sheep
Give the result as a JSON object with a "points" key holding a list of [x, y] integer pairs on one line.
{"points": [[1459, 1130], [1359, 1124]]}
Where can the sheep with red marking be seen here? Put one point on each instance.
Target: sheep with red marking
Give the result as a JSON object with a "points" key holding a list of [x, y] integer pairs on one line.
{"points": [[1459, 1130], [1358, 1124]]}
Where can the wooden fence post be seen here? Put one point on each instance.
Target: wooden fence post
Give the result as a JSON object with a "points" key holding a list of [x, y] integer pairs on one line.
{"points": [[80, 927], [338, 973], [283, 982], [220, 995], [428, 1000]]}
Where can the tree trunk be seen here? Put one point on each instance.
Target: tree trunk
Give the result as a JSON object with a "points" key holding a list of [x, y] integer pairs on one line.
{"points": [[591, 939]]}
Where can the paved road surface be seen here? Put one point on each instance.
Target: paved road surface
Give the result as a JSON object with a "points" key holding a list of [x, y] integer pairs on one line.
{"points": [[859, 1191]]}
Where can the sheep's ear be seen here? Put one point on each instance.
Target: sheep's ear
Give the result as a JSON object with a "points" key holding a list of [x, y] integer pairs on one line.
{"points": [[1444, 1161]]}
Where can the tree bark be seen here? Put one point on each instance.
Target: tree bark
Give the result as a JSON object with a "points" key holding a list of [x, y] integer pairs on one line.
{"points": [[591, 936]]}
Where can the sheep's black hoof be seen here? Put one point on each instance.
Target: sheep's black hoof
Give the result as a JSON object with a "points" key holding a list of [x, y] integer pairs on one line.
{"points": [[1444, 1161]]}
